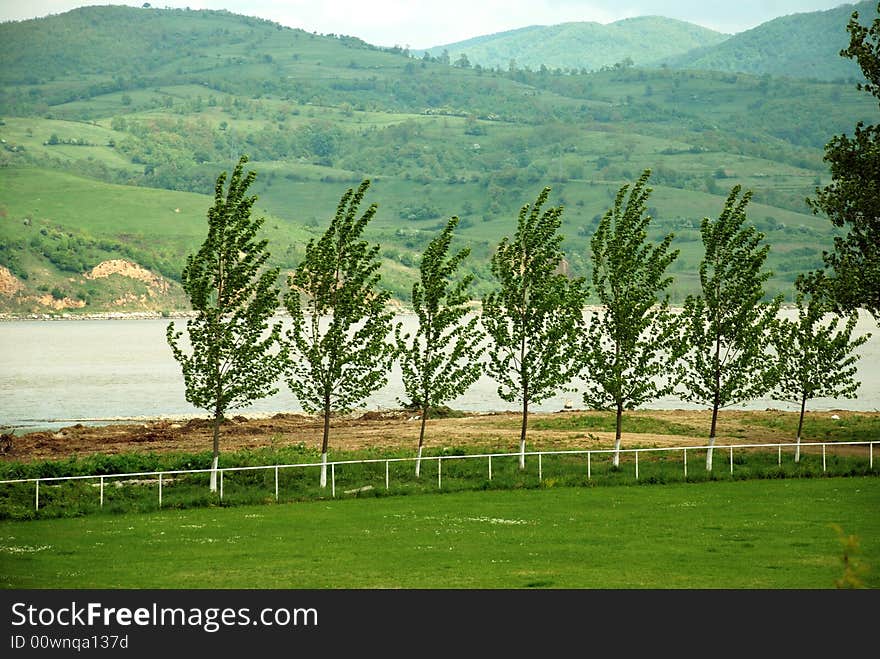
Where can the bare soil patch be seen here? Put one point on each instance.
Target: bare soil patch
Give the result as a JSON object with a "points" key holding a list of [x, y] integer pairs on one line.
{"points": [[396, 429]]}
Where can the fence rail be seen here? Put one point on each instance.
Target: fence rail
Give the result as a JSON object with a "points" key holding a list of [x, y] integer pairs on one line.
{"points": [[589, 453]]}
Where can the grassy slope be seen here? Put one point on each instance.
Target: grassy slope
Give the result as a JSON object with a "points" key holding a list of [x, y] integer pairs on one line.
{"points": [[160, 227], [779, 534]]}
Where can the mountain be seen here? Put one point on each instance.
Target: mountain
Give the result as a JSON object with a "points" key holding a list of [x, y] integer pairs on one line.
{"points": [[583, 45], [116, 121], [804, 45]]}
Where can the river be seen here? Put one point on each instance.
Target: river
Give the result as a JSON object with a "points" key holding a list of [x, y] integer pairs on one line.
{"points": [[58, 372]]}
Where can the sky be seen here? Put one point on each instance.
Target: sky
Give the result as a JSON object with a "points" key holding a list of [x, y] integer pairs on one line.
{"points": [[416, 24]]}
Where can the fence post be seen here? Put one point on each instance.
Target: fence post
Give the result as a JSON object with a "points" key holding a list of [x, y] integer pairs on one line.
{"points": [[386, 474], [823, 457], [37, 503], [637, 465], [490, 467], [779, 457], [685, 463], [871, 455], [333, 479], [160, 489], [221, 485], [731, 461], [102, 491], [540, 469], [439, 470], [589, 475], [276, 482]]}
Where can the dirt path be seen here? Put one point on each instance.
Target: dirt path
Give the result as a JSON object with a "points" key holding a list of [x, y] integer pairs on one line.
{"points": [[399, 429]]}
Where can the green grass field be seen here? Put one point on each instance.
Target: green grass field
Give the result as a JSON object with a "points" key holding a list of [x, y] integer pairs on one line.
{"points": [[767, 534]]}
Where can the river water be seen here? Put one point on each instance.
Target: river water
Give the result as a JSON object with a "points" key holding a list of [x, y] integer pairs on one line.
{"points": [[58, 372]]}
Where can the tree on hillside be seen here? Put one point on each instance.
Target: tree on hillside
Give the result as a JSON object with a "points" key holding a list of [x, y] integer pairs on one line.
{"points": [[727, 325], [443, 358], [852, 200], [629, 349], [816, 357], [235, 356], [535, 315], [340, 319]]}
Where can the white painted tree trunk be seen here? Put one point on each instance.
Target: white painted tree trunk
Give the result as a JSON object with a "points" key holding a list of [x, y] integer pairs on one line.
{"points": [[797, 451], [617, 453], [214, 464], [324, 469], [709, 454], [419, 463], [522, 454]]}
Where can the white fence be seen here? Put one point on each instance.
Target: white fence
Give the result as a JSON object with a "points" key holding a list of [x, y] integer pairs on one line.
{"points": [[589, 453]]}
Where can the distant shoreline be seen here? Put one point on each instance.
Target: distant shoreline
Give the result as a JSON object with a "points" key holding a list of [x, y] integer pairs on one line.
{"points": [[172, 315], [107, 315]]}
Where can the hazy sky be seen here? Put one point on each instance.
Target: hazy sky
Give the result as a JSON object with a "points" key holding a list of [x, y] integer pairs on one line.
{"points": [[424, 24]]}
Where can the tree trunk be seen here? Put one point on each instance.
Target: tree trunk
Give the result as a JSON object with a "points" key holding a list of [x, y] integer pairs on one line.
{"points": [[716, 402], [712, 435], [325, 440], [216, 426], [421, 441], [797, 451], [617, 434], [524, 372]]}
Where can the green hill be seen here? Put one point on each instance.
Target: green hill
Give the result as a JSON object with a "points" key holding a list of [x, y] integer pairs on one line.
{"points": [[803, 45], [112, 154], [583, 45]]}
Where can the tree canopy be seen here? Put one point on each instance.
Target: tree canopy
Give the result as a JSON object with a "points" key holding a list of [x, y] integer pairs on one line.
{"points": [[629, 347], [340, 318], [727, 326], [442, 359], [534, 315], [816, 356], [235, 356], [852, 199]]}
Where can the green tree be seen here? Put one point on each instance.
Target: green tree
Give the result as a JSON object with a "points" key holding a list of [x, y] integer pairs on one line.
{"points": [[852, 199], [727, 326], [816, 357], [535, 315], [629, 349], [443, 358], [340, 318], [234, 356]]}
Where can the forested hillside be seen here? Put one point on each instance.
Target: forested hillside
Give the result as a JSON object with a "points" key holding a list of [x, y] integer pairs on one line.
{"points": [[587, 46], [803, 45], [116, 121]]}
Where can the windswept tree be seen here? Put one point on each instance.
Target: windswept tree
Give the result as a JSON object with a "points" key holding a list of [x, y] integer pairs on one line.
{"points": [[234, 356], [727, 327], [341, 323], [816, 357], [535, 315], [852, 199], [630, 347], [442, 359]]}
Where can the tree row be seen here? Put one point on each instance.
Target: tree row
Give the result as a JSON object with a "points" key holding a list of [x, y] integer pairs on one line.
{"points": [[532, 334]]}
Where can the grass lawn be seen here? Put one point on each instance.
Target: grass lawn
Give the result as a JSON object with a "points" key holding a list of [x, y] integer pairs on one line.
{"points": [[751, 534]]}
